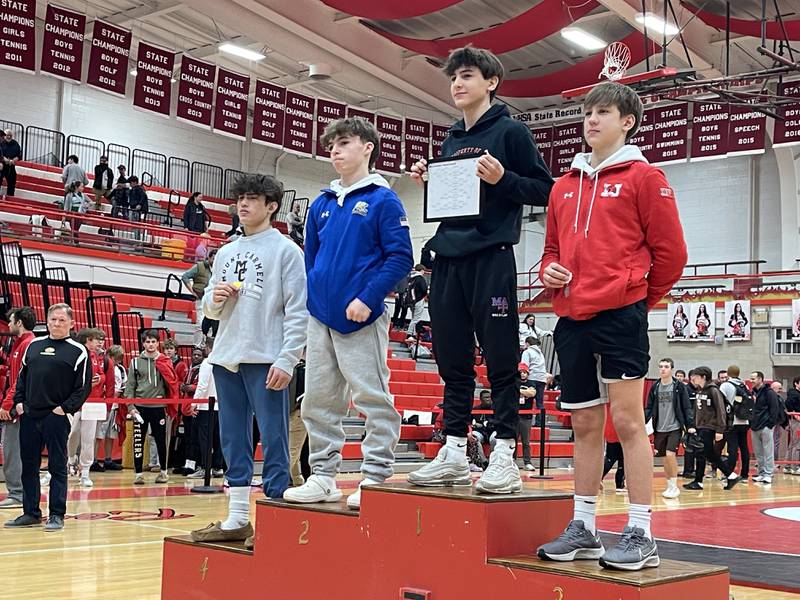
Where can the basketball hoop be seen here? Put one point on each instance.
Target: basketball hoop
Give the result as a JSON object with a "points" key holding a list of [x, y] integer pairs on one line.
{"points": [[615, 62]]}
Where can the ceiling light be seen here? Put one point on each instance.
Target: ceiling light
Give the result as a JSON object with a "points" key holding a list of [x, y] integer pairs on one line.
{"points": [[241, 52], [134, 72], [656, 23], [583, 39]]}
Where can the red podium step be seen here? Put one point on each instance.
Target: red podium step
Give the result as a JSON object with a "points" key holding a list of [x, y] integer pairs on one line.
{"points": [[416, 544]]}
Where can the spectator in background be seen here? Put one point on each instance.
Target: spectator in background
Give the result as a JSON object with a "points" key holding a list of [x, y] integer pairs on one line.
{"points": [[296, 224], [234, 230], [415, 299], [779, 436], [297, 429], [75, 200], [186, 441], [119, 200], [528, 328], [138, 203], [614, 454], [204, 390], [527, 392], [762, 426], [113, 427], [482, 431], [10, 154], [737, 395], [195, 215], [21, 322], [196, 281], [793, 406], [73, 172], [680, 375], [122, 175], [722, 377], [400, 307], [689, 455], [103, 181]]}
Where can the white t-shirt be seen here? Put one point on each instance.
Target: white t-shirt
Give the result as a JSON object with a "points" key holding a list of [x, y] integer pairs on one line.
{"points": [[205, 385]]}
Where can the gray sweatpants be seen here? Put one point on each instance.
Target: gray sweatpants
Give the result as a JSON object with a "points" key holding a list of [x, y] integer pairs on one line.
{"points": [[12, 461], [416, 316], [763, 448], [335, 361]]}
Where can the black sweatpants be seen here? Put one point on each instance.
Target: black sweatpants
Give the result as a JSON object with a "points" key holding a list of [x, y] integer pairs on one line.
{"points": [[710, 454], [156, 418], [477, 294], [737, 442], [9, 173], [614, 455], [203, 426], [50, 431], [525, 424]]}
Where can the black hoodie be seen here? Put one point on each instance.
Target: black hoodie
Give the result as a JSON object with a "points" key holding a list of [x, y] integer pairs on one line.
{"points": [[526, 180]]}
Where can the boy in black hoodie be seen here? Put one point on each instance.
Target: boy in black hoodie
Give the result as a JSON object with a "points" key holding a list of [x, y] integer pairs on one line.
{"points": [[474, 274]]}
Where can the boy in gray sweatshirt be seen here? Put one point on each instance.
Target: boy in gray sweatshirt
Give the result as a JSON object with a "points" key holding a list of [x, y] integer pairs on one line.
{"points": [[258, 293]]}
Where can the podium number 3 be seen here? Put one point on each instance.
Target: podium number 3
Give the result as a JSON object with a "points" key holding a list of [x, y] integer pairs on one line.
{"points": [[303, 539]]}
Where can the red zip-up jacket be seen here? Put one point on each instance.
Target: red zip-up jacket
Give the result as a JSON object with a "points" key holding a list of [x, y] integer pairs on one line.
{"points": [[98, 389], [18, 349], [618, 232]]}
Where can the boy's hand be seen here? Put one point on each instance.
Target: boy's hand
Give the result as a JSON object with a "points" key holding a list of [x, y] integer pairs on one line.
{"points": [[418, 170], [555, 276], [489, 169], [357, 311], [278, 379], [223, 291], [59, 411]]}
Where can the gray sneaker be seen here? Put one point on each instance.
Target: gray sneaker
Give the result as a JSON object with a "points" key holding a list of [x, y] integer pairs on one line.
{"points": [[54, 523], [575, 543], [449, 468], [634, 551], [10, 503]]}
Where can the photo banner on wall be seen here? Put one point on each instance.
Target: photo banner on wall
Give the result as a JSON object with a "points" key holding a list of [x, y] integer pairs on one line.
{"points": [[62, 42], [390, 157], [298, 129], [269, 114], [328, 111], [737, 320], [417, 141], [678, 322], [196, 91], [152, 90], [230, 107], [438, 136], [108, 58], [796, 319], [787, 131], [702, 321], [709, 131], [18, 43]]}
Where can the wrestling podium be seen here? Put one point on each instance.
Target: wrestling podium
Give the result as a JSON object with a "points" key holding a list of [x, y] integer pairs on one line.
{"points": [[412, 543]]}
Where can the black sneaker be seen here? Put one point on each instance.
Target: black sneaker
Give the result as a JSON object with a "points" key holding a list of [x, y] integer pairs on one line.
{"points": [[23, 521], [54, 523], [110, 465], [687, 475], [97, 467], [633, 552], [693, 486], [732, 482]]}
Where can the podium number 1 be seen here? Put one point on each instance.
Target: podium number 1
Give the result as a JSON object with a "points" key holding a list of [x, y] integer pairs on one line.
{"points": [[303, 539]]}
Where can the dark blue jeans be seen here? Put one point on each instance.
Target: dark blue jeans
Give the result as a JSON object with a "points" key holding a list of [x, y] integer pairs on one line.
{"points": [[50, 431]]}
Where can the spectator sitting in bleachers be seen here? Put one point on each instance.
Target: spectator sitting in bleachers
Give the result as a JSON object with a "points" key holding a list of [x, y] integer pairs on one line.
{"points": [[296, 224], [119, 200], [138, 203], [73, 172], [103, 181], [195, 215], [482, 431]]}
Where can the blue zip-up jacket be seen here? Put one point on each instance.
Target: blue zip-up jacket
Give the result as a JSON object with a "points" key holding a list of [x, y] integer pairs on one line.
{"points": [[356, 247]]}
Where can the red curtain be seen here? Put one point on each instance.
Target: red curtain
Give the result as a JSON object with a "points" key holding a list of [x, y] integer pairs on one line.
{"points": [[544, 19], [389, 9], [749, 28], [583, 73]]}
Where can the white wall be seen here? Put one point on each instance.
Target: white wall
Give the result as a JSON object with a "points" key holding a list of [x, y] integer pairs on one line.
{"points": [[29, 100]]}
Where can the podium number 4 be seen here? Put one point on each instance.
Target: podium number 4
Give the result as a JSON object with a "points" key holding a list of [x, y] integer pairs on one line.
{"points": [[303, 539]]}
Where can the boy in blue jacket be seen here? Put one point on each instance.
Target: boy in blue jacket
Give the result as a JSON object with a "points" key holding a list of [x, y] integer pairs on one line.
{"points": [[357, 248]]}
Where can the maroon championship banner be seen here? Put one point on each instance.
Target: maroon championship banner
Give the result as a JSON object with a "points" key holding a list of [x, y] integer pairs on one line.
{"points": [[390, 158], [747, 132], [196, 91], [417, 138], [643, 138], [543, 136], [438, 136], [709, 131], [230, 110], [18, 42], [670, 130], [108, 58], [152, 90], [328, 111], [269, 113], [567, 142], [352, 111], [298, 130], [787, 133], [62, 42]]}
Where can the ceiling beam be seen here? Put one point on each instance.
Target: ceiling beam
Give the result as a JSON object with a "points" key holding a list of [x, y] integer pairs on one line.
{"points": [[143, 12]]}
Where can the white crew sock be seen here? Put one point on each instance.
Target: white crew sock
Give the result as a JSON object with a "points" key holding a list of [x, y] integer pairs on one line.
{"points": [[672, 483], [639, 516], [85, 472], [238, 508], [507, 443], [585, 510], [457, 444]]}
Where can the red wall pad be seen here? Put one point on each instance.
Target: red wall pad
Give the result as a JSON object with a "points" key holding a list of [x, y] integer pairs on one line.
{"points": [[443, 543]]}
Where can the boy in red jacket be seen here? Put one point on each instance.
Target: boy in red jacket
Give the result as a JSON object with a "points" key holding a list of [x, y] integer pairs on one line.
{"points": [[613, 247]]}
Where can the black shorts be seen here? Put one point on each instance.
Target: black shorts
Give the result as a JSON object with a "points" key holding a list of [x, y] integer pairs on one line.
{"points": [[610, 347], [666, 441]]}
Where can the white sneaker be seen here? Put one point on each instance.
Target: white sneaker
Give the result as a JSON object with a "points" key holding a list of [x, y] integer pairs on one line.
{"points": [[255, 482], [767, 480], [354, 499], [671, 492], [758, 478], [450, 467], [529, 467], [198, 474], [316, 489], [86, 482], [502, 474], [45, 479], [217, 472]]}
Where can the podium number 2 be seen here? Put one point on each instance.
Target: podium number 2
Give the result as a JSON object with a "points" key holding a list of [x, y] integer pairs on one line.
{"points": [[303, 539]]}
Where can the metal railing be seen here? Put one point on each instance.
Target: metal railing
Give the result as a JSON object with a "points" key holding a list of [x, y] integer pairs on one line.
{"points": [[168, 293], [179, 174], [755, 265], [87, 150], [125, 328], [17, 130], [207, 179], [100, 311], [31, 267], [118, 155], [152, 163], [44, 146]]}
